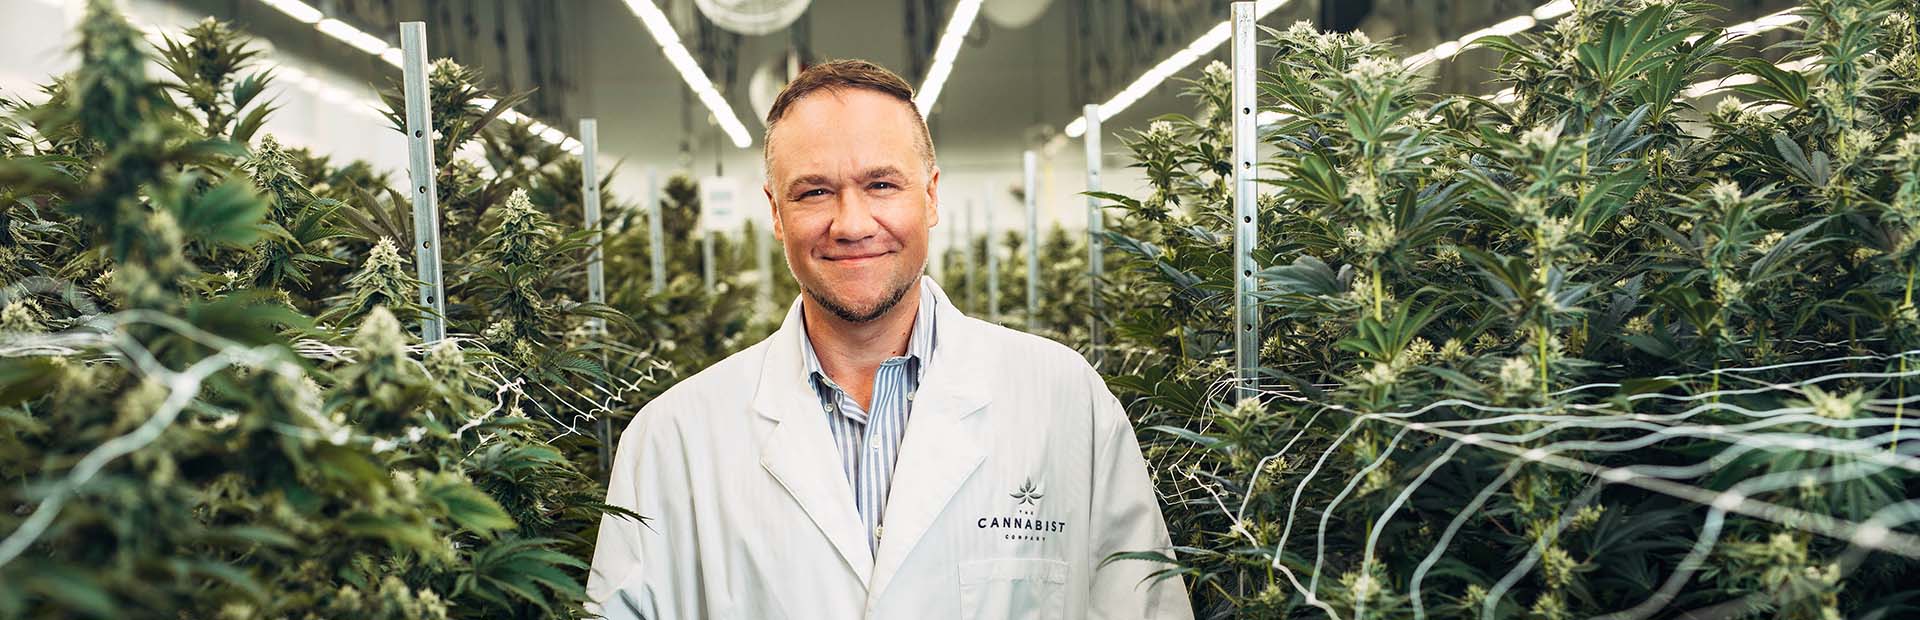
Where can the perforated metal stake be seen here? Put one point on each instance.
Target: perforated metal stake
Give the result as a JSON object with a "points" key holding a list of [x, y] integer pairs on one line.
{"points": [[426, 210], [596, 266], [993, 262], [1096, 244], [590, 202], [1246, 220], [656, 239], [1029, 161]]}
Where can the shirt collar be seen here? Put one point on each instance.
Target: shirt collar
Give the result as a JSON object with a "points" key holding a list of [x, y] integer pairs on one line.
{"points": [[919, 344]]}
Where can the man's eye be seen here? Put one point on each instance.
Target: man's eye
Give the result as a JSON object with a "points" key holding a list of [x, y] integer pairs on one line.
{"points": [[813, 192], [882, 185]]}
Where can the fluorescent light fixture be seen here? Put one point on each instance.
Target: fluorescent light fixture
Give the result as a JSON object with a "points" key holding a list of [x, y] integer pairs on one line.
{"points": [[1708, 87], [1552, 10], [392, 55], [943, 55], [655, 21], [299, 11], [1173, 65], [1510, 27], [1769, 23], [352, 36], [689, 69]]}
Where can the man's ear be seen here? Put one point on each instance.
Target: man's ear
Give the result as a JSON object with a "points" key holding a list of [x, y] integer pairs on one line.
{"points": [[773, 210], [933, 198]]}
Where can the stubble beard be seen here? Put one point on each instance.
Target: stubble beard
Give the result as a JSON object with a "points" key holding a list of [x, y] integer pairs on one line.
{"points": [[853, 315]]}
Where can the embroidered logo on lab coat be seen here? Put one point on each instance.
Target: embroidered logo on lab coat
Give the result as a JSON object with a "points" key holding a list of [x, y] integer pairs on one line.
{"points": [[1024, 521]]}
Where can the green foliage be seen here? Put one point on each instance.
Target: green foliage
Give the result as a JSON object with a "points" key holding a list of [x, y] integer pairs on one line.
{"points": [[179, 437], [1460, 291]]}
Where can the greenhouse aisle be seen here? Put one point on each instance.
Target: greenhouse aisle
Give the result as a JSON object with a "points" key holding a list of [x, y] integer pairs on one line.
{"points": [[1576, 309]]}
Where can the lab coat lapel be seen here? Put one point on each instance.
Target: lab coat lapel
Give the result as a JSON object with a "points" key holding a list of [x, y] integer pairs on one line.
{"points": [[943, 444], [799, 452]]}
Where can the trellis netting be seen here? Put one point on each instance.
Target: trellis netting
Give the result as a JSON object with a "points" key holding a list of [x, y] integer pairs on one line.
{"points": [[1592, 348]]}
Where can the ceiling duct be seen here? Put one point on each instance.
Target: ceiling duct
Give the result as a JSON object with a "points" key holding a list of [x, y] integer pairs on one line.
{"points": [[752, 17]]}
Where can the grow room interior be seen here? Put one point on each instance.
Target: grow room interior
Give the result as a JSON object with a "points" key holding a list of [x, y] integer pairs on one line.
{"points": [[1416, 308]]}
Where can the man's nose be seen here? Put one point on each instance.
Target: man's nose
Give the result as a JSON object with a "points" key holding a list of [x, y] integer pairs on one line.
{"points": [[854, 221]]}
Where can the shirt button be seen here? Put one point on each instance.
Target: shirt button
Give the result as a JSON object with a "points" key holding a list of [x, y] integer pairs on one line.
{"points": [[829, 408], [877, 530], [910, 394], [874, 446]]}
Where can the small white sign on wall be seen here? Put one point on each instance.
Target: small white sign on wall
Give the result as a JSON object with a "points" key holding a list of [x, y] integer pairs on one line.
{"points": [[723, 206]]}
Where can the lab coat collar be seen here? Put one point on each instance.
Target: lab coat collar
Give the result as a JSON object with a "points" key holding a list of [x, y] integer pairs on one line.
{"points": [[940, 451]]}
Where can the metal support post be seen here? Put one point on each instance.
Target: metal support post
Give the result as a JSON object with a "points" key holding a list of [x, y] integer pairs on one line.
{"points": [[426, 210], [596, 267], [993, 262], [1246, 223], [590, 202], [656, 239], [1029, 161], [1096, 244], [971, 261], [707, 272], [763, 248]]}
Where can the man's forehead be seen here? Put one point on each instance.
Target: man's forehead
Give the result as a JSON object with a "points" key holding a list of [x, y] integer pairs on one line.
{"points": [[843, 133]]}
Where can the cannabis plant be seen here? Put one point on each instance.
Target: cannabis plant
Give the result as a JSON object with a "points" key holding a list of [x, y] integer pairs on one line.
{"points": [[1589, 350], [182, 439]]}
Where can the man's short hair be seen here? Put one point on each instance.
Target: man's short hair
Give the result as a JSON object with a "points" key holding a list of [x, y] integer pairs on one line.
{"points": [[837, 75]]}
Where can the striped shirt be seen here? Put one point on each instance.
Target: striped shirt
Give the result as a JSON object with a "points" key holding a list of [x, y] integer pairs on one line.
{"points": [[878, 429]]}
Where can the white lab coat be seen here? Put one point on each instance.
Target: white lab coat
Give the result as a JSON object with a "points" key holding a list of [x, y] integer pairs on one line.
{"points": [[1018, 474]]}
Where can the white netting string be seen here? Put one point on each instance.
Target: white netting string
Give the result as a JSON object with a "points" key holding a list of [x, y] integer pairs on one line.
{"points": [[1888, 447]]}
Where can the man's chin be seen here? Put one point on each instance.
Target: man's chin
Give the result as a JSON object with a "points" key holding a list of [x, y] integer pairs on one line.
{"points": [[862, 308]]}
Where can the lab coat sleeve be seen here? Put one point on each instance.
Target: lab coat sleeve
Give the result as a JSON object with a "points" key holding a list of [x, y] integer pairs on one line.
{"points": [[1126, 517], [644, 570]]}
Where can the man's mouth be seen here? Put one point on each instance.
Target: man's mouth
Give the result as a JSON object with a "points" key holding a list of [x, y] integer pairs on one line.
{"points": [[856, 258]]}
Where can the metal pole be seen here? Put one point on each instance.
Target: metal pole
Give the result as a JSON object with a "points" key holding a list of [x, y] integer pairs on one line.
{"points": [[656, 239], [1096, 247], [763, 257], [972, 264], [947, 276], [1246, 224], [596, 267], [1030, 162], [426, 211], [706, 255], [993, 262], [590, 202]]}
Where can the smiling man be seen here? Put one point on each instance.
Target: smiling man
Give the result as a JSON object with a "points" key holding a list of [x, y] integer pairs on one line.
{"points": [[882, 455]]}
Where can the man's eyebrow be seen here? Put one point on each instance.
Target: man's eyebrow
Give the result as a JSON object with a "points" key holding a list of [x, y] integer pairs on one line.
{"points": [[881, 172], [809, 179]]}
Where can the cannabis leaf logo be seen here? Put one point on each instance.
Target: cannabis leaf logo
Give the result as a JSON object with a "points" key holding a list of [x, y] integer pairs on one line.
{"points": [[1027, 494]]}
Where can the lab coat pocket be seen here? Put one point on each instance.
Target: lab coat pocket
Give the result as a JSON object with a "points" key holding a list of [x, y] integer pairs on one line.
{"points": [[1013, 589]]}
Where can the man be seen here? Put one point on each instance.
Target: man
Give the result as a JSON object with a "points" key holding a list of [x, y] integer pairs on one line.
{"points": [[882, 455]]}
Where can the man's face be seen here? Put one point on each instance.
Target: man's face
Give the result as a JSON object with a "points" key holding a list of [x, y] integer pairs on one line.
{"points": [[852, 199]]}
